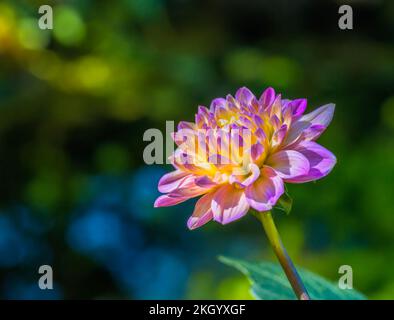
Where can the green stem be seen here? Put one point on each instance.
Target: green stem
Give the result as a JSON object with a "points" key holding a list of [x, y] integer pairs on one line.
{"points": [[284, 259]]}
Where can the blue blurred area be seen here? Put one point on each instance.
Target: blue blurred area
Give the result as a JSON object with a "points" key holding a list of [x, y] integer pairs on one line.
{"points": [[15, 288], [19, 244], [98, 233], [142, 193], [13, 246], [153, 273]]}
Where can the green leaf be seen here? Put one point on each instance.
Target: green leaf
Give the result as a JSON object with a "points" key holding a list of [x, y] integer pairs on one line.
{"points": [[270, 283], [284, 203]]}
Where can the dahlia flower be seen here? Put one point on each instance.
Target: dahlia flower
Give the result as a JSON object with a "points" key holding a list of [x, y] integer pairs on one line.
{"points": [[239, 153]]}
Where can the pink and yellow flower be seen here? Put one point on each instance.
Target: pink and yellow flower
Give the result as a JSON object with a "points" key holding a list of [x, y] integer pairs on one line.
{"points": [[239, 153]]}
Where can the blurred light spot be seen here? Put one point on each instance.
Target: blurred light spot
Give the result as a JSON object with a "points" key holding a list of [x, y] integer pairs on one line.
{"points": [[168, 102], [68, 27], [279, 72], [250, 65], [31, 36], [244, 65], [43, 191], [96, 232], [7, 13], [92, 73]]}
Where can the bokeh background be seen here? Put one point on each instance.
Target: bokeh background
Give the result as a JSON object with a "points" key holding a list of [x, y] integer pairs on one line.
{"points": [[76, 100]]}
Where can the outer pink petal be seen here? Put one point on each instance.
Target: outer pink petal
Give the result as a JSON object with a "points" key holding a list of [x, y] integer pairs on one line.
{"points": [[180, 195], [229, 204], [168, 200], [202, 212], [321, 116], [317, 120], [289, 163], [265, 192], [321, 161], [313, 132], [174, 180], [190, 191]]}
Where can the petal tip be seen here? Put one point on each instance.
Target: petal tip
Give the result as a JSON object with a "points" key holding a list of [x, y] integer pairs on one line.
{"points": [[156, 204]]}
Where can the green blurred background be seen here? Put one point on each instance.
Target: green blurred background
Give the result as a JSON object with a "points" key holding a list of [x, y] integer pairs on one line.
{"points": [[76, 100]]}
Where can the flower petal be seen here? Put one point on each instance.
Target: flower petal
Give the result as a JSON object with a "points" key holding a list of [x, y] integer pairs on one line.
{"points": [[189, 191], [313, 132], [276, 108], [298, 107], [218, 103], [244, 96], [174, 180], [243, 180], [202, 212], [317, 119], [229, 204], [322, 115], [203, 111], [265, 192], [232, 104], [260, 134], [321, 161], [256, 151], [289, 163], [185, 138], [168, 200], [204, 182], [279, 135], [186, 125], [267, 98]]}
